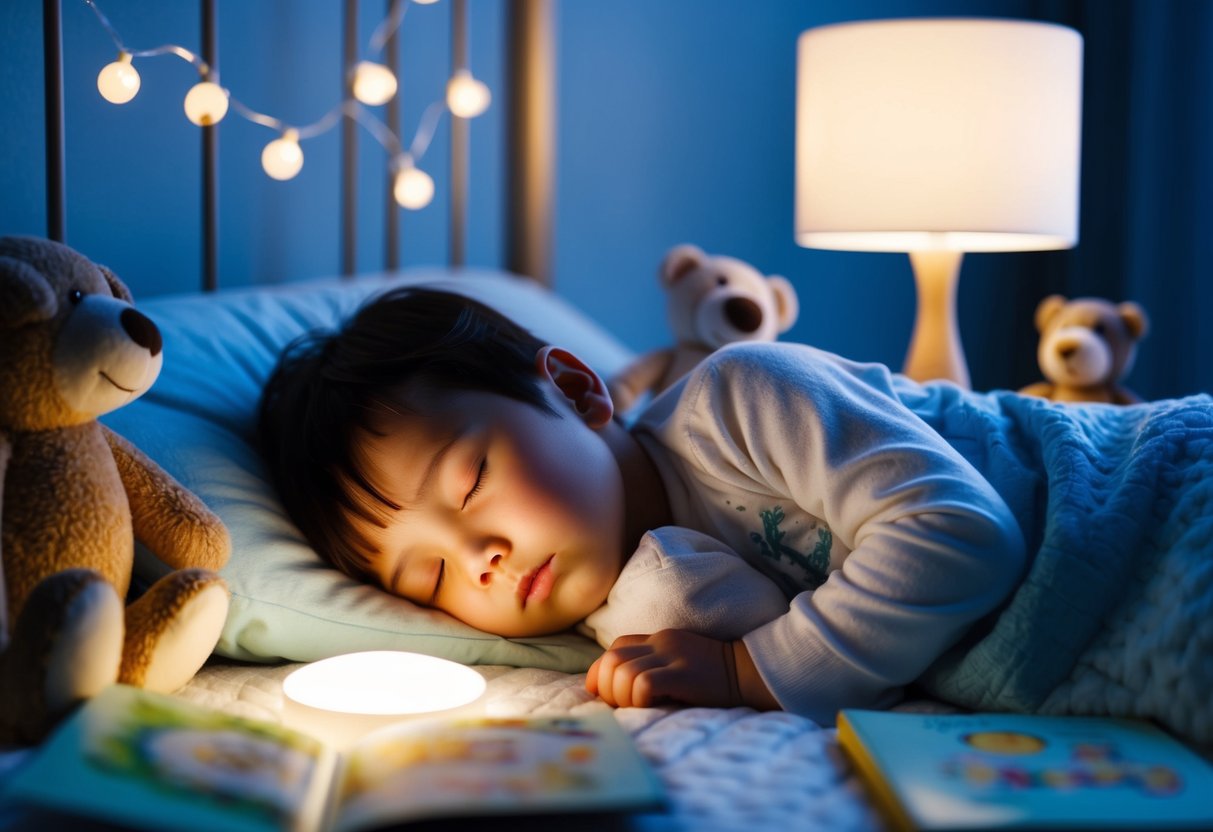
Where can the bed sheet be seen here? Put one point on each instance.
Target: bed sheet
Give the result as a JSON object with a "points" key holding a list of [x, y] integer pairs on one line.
{"points": [[724, 769]]}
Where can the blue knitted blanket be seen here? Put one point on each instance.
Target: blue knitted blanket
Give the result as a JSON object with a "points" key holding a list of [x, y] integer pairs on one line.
{"points": [[1115, 613]]}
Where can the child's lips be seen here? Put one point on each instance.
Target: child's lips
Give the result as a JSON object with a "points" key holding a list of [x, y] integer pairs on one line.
{"points": [[536, 585]]}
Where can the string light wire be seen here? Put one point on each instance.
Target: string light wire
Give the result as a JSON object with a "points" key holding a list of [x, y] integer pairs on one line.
{"points": [[381, 132]]}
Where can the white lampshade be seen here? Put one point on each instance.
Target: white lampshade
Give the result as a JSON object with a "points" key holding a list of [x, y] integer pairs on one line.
{"points": [[938, 134]]}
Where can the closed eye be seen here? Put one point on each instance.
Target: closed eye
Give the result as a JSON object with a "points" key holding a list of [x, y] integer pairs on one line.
{"points": [[438, 583], [481, 473]]}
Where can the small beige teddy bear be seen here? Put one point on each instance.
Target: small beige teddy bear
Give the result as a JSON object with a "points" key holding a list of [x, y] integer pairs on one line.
{"points": [[710, 301], [1087, 345]]}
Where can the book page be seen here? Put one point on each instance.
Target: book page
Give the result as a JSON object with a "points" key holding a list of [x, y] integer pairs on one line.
{"points": [[485, 766], [138, 759]]}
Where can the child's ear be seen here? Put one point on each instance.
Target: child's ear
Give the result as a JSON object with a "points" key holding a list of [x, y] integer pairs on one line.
{"points": [[577, 383]]}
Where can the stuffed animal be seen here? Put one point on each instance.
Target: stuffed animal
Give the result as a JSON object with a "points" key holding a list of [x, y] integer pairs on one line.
{"points": [[1087, 345], [74, 496], [710, 302]]}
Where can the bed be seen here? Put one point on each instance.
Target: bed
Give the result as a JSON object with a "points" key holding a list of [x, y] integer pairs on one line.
{"points": [[724, 769]]}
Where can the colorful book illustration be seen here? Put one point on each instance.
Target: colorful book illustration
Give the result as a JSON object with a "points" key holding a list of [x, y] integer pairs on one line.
{"points": [[150, 761], [1015, 771]]}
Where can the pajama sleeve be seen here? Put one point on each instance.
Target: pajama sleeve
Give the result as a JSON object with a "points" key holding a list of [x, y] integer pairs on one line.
{"points": [[933, 548]]}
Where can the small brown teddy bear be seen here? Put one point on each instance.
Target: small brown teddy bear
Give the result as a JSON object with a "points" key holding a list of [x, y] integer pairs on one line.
{"points": [[710, 302], [1087, 345], [75, 496]]}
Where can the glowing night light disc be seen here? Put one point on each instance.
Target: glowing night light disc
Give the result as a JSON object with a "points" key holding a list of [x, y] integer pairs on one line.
{"points": [[342, 698]]}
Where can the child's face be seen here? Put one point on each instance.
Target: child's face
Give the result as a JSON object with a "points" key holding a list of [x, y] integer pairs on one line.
{"points": [[513, 518]]}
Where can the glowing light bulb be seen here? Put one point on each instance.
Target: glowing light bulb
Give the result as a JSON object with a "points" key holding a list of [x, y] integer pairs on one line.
{"points": [[118, 81], [206, 103], [282, 158], [373, 83], [413, 188], [466, 96]]}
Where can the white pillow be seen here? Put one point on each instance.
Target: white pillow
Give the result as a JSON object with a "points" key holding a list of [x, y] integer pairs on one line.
{"points": [[198, 422]]}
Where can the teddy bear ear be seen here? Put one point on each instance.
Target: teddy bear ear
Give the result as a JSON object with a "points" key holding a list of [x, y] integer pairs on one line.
{"points": [[680, 260], [117, 287], [787, 304], [1134, 318], [1048, 307], [26, 296]]}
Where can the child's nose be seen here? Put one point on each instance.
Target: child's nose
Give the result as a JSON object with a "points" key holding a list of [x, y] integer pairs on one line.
{"points": [[486, 577]]}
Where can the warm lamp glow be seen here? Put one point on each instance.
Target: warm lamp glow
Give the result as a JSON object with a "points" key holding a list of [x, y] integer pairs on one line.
{"points": [[413, 188], [374, 83], [341, 698], [937, 137], [283, 158], [118, 81], [467, 97], [206, 103]]}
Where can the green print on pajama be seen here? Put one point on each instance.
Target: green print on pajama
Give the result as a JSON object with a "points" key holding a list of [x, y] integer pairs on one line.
{"points": [[816, 564]]}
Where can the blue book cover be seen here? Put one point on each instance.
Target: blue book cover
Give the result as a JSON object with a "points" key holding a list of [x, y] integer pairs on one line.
{"points": [[1016, 771]]}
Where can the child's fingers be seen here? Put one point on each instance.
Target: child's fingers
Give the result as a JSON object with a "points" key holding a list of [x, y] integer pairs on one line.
{"points": [[614, 671], [628, 685], [592, 675]]}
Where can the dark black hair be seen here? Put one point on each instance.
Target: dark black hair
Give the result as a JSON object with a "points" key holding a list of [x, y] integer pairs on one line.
{"points": [[329, 384]]}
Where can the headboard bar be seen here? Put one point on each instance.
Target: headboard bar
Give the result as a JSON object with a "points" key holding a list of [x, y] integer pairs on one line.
{"points": [[459, 141], [210, 159], [52, 60], [391, 230], [349, 144], [531, 138]]}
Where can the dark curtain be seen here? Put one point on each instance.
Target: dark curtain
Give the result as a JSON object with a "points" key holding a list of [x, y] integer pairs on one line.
{"points": [[1146, 227]]}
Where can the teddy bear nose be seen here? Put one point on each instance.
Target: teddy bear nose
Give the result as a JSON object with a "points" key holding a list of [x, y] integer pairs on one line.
{"points": [[141, 329], [743, 313]]}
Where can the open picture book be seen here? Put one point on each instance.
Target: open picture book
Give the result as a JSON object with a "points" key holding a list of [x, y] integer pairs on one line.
{"points": [[1016, 771], [146, 760]]}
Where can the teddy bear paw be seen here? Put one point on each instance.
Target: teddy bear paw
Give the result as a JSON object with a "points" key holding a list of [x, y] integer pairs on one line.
{"points": [[66, 647], [172, 629]]}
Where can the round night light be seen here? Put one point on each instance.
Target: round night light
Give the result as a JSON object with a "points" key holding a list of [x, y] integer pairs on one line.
{"points": [[384, 683]]}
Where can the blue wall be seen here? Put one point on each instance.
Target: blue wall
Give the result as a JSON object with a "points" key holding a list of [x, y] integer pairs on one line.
{"points": [[676, 125]]}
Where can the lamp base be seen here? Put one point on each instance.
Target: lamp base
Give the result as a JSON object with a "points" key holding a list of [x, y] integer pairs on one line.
{"points": [[935, 349]]}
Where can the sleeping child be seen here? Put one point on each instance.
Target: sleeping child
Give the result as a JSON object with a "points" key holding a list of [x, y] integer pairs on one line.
{"points": [[778, 530]]}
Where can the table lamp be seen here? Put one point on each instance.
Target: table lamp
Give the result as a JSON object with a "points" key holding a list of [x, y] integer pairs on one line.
{"points": [[936, 137], [342, 698]]}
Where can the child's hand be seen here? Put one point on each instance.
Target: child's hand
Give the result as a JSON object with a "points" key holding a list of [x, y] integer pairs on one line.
{"points": [[676, 665]]}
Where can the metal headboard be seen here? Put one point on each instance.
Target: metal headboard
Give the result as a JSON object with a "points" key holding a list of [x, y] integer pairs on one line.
{"points": [[530, 141]]}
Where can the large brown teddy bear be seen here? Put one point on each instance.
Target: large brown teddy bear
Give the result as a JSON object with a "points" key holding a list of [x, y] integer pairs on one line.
{"points": [[710, 301], [1087, 345], [74, 496]]}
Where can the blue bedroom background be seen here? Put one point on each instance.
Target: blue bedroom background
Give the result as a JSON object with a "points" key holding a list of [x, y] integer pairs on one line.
{"points": [[675, 125]]}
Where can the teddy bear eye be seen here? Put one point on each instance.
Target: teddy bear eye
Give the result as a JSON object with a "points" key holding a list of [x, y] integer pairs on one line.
{"points": [[75, 296], [722, 280], [1099, 329]]}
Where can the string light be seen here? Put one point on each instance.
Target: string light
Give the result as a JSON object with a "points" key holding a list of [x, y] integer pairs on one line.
{"points": [[374, 83], [413, 188], [283, 158], [207, 103], [118, 81], [465, 96]]}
